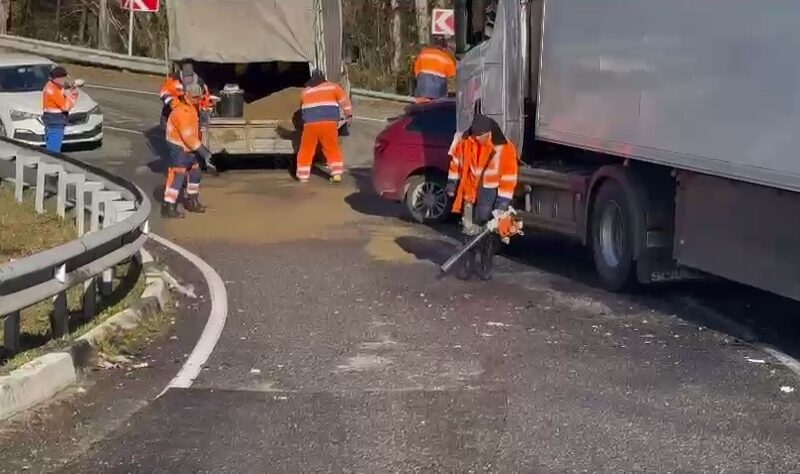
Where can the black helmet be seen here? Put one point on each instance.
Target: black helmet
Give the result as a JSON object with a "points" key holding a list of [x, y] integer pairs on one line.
{"points": [[57, 72]]}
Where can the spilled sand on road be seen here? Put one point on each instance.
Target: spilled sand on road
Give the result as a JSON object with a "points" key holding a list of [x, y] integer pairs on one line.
{"points": [[265, 208]]}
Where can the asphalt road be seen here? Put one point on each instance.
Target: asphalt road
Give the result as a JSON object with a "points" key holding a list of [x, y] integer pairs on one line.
{"points": [[343, 351]]}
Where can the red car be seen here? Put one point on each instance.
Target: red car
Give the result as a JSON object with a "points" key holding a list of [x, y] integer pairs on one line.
{"points": [[411, 159]]}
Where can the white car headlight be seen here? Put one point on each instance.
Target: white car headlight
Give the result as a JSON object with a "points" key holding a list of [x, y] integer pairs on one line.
{"points": [[96, 110], [18, 115]]}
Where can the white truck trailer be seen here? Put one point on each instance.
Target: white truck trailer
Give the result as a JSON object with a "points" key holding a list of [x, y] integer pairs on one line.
{"points": [[265, 46], [665, 135]]}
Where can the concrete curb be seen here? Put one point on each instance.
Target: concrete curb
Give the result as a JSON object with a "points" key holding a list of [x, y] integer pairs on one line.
{"points": [[45, 376]]}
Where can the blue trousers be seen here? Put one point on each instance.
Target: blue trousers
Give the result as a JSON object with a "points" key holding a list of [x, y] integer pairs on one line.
{"points": [[53, 138]]}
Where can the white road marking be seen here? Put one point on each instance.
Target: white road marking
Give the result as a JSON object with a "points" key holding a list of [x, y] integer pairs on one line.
{"points": [[369, 119], [118, 129], [214, 325], [788, 361], [120, 89]]}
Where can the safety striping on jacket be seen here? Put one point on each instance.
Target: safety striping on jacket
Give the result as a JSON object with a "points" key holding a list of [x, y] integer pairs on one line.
{"points": [[56, 104], [432, 68], [476, 166], [183, 126], [324, 103]]}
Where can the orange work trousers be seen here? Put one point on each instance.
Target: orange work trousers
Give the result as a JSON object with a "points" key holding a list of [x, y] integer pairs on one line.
{"points": [[325, 134]]}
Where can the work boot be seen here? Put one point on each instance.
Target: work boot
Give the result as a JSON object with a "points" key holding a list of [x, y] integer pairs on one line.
{"points": [[170, 211], [336, 179], [192, 204], [465, 267], [487, 252]]}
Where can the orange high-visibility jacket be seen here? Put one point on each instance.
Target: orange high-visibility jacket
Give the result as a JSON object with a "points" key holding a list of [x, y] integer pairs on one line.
{"points": [[322, 103], [172, 90], [183, 127], [475, 165], [56, 99], [432, 68]]}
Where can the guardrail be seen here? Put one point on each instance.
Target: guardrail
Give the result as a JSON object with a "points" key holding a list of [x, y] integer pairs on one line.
{"points": [[118, 213], [131, 63], [85, 55]]}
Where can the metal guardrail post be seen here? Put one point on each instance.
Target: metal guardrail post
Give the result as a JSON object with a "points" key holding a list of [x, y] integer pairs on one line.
{"points": [[22, 163], [11, 328], [80, 204], [109, 219], [64, 180], [42, 171]]}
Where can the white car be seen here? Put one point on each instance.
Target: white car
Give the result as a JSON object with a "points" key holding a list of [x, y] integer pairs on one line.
{"points": [[22, 79]]}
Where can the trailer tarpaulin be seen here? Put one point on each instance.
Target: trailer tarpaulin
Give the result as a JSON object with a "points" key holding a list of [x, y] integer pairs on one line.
{"points": [[241, 31]]}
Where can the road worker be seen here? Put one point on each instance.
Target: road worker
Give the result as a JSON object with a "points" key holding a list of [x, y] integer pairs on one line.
{"points": [[481, 179], [433, 67], [58, 97], [322, 105], [186, 153], [173, 88]]}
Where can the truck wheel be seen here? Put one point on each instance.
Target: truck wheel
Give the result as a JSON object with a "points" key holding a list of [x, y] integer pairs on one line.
{"points": [[426, 199], [613, 237]]}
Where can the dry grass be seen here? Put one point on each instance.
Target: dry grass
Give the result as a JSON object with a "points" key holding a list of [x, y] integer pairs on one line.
{"points": [[23, 232]]}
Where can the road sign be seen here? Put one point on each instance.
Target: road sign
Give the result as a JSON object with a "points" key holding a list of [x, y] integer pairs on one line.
{"points": [[141, 5], [444, 22]]}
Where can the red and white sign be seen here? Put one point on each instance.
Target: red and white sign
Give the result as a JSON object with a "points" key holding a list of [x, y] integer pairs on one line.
{"points": [[141, 5], [444, 22]]}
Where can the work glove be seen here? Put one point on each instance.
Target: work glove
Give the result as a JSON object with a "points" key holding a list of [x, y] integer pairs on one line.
{"points": [[450, 189], [502, 204], [205, 155]]}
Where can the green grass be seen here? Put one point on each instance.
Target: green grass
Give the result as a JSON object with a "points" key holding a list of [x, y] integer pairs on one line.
{"points": [[35, 321], [23, 232]]}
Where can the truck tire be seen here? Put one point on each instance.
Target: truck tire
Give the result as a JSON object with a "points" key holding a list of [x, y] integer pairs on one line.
{"points": [[613, 237], [426, 199]]}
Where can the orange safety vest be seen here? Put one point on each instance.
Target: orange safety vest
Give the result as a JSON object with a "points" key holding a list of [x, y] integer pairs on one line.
{"points": [[475, 165], [56, 100], [171, 90], [432, 68], [183, 127], [322, 103]]}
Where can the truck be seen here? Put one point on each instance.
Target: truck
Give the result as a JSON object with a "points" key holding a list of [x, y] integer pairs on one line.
{"points": [[268, 49], [662, 135]]}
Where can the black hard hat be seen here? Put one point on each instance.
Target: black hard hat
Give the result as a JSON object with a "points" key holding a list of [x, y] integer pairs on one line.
{"points": [[57, 72]]}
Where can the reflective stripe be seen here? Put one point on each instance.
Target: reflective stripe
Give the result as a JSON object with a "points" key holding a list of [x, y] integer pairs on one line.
{"points": [[433, 73], [454, 143], [320, 104], [491, 185], [435, 57], [324, 87], [452, 175], [509, 178]]}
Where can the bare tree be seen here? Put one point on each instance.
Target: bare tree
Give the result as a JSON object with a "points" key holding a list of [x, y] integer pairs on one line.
{"points": [[423, 21], [4, 11], [103, 26], [397, 36]]}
